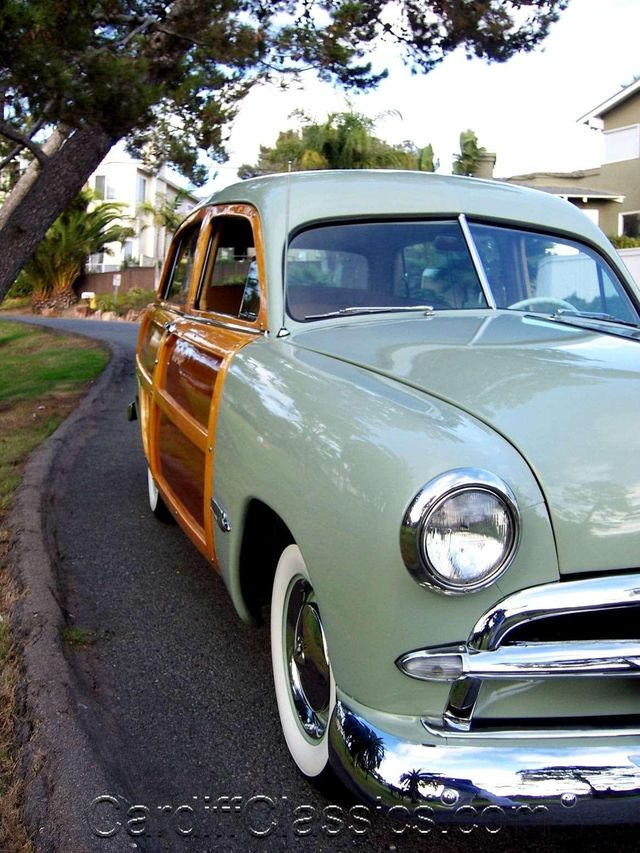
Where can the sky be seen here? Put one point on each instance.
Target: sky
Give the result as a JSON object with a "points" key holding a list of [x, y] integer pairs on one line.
{"points": [[524, 110]]}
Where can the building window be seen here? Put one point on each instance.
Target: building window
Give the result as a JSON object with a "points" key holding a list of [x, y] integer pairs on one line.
{"points": [[630, 224], [141, 189], [622, 144], [104, 188]]}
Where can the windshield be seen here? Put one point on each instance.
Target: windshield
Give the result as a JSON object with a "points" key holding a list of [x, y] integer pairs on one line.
{"points": [[351, 268], [536, 272], [397, 265]]}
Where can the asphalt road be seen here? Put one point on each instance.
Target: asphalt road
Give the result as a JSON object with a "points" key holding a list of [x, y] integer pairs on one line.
{"points": [[175, 692]]}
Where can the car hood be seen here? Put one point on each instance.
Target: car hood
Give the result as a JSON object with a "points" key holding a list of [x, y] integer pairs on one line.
{"points": [[567, 398]]}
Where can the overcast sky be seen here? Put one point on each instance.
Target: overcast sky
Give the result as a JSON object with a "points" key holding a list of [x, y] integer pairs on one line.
{"points": [[524, 110]]}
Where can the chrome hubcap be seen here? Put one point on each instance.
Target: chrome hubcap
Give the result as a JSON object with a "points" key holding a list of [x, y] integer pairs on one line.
{"points": [[307, 660]]}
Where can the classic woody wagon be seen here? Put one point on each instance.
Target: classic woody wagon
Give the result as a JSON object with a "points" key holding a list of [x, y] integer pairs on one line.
{"points": [[402, 411]]}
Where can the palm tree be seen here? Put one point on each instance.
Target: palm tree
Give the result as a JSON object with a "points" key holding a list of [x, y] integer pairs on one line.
{"points": [[411, 782], [365, 746], [166, 214], [466, 162], [59, 259]]}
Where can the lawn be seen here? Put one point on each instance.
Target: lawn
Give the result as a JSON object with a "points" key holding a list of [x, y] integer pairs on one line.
{"points": [[42, 377]]}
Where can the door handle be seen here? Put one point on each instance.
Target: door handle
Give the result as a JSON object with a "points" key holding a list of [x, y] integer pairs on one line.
{"points": [[170, 326]]}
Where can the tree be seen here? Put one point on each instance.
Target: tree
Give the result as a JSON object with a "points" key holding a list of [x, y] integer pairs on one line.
{"points": [[166, 214], [77, 76], [466, 162], [59, 260], [344, 141]]}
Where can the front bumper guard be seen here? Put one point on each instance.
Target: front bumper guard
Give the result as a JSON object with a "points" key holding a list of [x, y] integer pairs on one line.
{"points": [[453, 772], [487, 653], [538, 782]]}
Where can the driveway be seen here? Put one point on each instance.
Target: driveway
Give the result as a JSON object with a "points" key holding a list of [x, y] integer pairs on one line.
{"points": [[175, 693]]}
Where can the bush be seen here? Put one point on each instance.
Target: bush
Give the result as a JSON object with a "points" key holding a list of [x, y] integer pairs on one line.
{"points": [[22, 286], [621, 241], [135, 299]]}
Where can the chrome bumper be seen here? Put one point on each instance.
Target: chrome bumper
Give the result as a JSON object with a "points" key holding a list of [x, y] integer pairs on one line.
{"points": [[539, 781]]}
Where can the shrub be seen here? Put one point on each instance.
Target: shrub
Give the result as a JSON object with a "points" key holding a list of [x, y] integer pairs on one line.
{"points": [[621, 241], [22, 286], [135, 299]]}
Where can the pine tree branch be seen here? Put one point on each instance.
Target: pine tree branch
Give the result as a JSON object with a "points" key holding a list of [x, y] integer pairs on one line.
{"points": [[24, 141], [173, 34], [10, 156]]}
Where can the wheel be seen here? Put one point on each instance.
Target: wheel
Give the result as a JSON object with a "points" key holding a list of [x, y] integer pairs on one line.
{"points": [[533, 301], [304, 684], [157, 506]]}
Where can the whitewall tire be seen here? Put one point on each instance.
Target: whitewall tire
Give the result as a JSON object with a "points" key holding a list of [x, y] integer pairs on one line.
{"points": [[157, 506], [304, 684]]}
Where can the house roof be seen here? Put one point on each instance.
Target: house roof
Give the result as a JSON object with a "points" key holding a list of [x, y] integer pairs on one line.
{"points": [[569, 189], [610, 103], [585, 193]]}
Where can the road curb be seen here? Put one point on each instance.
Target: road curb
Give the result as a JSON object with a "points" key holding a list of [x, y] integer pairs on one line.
{"points": [[57, 759]]}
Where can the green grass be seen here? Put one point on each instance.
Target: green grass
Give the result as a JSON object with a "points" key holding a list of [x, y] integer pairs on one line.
{"points": [[35, 363], [77, 637], [42, 377]]}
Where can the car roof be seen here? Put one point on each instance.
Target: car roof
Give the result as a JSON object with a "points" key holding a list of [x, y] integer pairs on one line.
{"points": [[301, 198]]}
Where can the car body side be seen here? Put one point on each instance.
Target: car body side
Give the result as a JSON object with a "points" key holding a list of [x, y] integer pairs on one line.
{"points": [[336, 451]]}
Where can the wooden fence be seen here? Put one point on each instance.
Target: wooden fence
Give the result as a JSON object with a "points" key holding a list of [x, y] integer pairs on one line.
{"points": [[102, 282]]}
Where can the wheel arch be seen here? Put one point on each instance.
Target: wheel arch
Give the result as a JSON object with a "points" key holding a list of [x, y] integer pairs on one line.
{"points": [[264, 537]]}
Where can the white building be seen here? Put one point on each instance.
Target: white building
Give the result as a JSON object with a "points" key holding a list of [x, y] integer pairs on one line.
{"points": [[120, 178]]}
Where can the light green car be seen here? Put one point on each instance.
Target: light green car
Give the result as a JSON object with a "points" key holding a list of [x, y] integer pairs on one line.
{"points": [[402, 409]]}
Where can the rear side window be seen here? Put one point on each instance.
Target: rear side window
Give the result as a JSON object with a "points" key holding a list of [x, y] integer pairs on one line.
{"points": [[177, 288], [230, 282]]}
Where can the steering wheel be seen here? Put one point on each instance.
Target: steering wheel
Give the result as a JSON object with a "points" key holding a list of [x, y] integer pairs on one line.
{"points": [[532, 301]]}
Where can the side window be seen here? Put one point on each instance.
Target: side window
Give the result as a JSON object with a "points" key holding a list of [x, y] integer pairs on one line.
{"points": [[230, 283], [177, 288]]}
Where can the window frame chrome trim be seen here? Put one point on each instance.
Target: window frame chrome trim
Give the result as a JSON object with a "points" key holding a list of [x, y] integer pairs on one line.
{"points": [[477, 262], [208, 321]]}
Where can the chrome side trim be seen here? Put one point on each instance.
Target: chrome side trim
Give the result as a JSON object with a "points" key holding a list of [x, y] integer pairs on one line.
{"points": [[435, 727], [546, 782], [477, 261], [597, 658], [551, 599], [220, 516]]}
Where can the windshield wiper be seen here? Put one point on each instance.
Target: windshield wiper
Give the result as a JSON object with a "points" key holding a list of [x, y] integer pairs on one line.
{"points": [[370, 309], [622, 328], [564, 314]]}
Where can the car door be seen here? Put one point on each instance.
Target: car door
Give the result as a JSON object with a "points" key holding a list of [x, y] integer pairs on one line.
{"points": [[213, 304]]}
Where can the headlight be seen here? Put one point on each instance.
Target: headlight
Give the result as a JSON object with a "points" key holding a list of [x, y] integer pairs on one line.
{"points": [[460, 531]]}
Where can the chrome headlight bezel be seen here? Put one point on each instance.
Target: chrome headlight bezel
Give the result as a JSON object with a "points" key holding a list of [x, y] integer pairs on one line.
{"points": [[430, 498]]}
